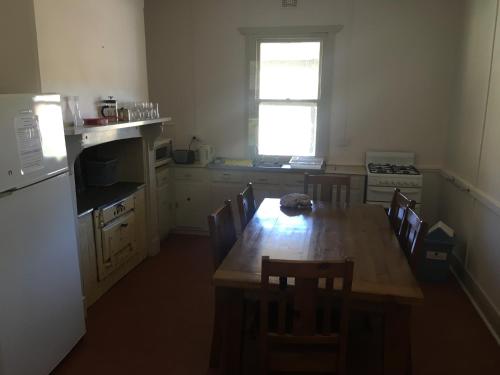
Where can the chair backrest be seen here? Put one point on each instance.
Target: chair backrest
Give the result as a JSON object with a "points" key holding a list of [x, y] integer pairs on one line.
{"points": [[400, 203], [246, 205], [315, 284], [326, 183], [413, 232], [222, 232]]}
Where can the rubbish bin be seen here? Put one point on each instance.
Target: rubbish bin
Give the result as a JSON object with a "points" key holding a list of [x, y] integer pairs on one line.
{"points": [[438, 245]]}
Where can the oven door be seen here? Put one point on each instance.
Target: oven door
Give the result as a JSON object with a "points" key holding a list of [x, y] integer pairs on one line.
{"points": [[384, 194], [118, 244]]}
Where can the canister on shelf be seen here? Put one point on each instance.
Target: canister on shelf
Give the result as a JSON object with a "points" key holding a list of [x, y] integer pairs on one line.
{"points": [[109, 109]]}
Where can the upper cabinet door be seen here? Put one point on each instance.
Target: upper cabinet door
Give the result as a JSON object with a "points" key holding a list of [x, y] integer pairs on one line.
{"points": [[32, 145]]}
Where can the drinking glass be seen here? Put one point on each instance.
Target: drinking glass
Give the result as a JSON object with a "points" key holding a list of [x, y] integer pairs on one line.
{"points": [[137, 112], [156, 110], [77, 116]]}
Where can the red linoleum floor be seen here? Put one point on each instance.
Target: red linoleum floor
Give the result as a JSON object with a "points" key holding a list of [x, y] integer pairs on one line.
{"points": [[158, 320]]}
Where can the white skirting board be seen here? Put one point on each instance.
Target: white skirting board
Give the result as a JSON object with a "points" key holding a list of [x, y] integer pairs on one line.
{"points": [[495, 315]]}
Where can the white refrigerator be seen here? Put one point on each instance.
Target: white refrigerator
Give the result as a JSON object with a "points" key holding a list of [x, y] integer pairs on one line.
{"points": [[41, 308]]}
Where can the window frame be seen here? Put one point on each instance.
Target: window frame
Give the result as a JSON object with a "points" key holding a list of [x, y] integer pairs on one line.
{"points": [[255, 36]]}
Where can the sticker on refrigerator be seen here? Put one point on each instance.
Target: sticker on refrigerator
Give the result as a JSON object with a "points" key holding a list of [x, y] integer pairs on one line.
{"points": [[29, 143]]}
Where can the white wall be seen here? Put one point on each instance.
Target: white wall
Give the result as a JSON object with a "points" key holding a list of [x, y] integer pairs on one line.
{"points": [[394, 63], [92, 48], [471, 89], [19, 71], [488, 179], [473, 156]]}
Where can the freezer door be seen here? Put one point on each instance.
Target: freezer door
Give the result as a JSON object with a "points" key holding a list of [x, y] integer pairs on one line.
{"points": [[41, 308], [32, 145]]}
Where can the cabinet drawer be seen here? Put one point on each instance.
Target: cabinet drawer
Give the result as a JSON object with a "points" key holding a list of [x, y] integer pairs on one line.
{"points": [[227, 176], [294, 179], [190, 174], [116, 209], [262, 178]]}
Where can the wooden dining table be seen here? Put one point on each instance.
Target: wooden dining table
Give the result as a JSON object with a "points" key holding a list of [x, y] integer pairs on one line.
{"points": [[382, 282]]}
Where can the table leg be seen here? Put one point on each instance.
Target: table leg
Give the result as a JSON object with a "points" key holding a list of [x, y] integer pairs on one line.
{"points": [[397, 341], [227, 336]]}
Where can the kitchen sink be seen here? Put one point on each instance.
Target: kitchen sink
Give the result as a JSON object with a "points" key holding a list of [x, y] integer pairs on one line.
{"points": [[267, 164]]}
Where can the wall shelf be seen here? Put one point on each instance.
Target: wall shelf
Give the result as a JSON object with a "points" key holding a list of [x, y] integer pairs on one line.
{"points": [[68, 131]]}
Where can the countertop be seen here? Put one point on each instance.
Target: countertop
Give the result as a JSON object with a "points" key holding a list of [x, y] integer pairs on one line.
{"points": [[356, 170]]}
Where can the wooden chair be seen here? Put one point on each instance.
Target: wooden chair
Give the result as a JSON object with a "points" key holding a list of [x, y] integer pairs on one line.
{"points": [[413, 232], [304, 340], [246, 205], [326, 184], [399, 205], [222, 232]]}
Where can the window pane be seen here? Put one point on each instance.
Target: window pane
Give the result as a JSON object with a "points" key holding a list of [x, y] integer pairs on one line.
{"points": [[287, 129], [289, 70]]}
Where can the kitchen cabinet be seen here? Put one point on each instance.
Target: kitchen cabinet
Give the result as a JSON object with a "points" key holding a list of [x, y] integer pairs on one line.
{"points": [[192, 198], [266, 185], [165, 199], [191, 205], [165, 210], [199, 191], [93, 284], [262, 191], [87, 257]]}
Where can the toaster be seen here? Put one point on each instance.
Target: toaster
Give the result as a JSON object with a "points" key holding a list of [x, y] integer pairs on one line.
{"points": [[184, 156]]}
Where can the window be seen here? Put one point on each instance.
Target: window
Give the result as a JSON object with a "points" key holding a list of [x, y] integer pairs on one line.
{"points": [[289, 90], [288, 76]]}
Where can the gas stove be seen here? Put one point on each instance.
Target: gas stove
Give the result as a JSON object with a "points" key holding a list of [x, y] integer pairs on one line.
{"points": [[392, 169], [389, 170]]}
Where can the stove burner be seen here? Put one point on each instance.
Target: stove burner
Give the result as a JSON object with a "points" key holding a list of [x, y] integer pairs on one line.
{"points": [[392, 169]]}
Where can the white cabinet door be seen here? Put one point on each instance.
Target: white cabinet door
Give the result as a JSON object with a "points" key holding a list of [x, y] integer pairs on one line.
{"points": [[192, 206], [165, 210]]}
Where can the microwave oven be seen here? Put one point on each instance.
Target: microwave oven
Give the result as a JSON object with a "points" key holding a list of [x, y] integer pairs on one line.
{"points": [[163, 151]]}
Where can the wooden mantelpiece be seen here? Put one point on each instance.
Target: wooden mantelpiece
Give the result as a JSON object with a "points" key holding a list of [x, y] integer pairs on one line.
{"points": [[79, 139]]}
